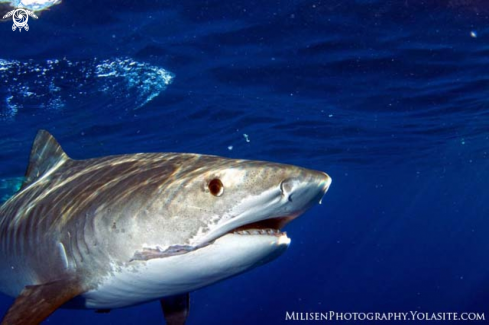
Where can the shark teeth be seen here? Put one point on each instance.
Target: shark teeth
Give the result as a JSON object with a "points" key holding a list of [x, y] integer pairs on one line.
{"points": [[268, 232]]}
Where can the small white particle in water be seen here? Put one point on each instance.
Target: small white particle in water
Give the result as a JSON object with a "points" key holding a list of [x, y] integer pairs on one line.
{"points": [[246, 137], [462, 141], [473, 34], [330, 115], [230, 148]]}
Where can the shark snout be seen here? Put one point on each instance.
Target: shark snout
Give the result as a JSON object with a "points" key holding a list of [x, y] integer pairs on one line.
{"points": [[310, 186], [324, 182]]}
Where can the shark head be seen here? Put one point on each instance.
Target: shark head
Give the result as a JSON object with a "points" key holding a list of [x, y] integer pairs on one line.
{"points": [[211, 219], [257, 198], [211, 197]]}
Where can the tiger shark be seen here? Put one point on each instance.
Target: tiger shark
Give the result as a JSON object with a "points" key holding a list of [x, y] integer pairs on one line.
{"points": [[123, 230]]}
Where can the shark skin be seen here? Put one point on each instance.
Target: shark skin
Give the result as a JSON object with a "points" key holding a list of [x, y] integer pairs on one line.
{"points": [[123, 230]]}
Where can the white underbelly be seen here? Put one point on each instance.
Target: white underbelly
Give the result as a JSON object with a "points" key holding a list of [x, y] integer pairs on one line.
{"points": [[145, 281]]}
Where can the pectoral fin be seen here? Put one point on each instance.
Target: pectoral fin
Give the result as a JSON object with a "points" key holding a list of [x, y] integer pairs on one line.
{"points": [[176, 309], [35, 303]]}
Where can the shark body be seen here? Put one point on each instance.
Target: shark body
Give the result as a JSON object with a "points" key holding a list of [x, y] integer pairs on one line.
{"points": [[122, 230]]}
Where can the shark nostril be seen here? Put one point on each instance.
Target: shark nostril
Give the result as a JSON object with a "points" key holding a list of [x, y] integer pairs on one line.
{"points": [[286, 189]]}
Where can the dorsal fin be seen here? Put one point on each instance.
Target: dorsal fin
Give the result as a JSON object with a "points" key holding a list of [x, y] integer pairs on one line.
{"points": [[45, 154]]}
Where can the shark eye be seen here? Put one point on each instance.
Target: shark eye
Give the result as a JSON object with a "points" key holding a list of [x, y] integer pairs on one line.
{"points": [[215, 187]]}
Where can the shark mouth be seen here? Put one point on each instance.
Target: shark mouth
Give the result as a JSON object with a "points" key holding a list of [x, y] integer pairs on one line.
{"points": [[268, 227]]}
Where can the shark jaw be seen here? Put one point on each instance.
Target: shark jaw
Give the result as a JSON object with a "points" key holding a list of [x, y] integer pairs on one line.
{"points": [[143, 281]]}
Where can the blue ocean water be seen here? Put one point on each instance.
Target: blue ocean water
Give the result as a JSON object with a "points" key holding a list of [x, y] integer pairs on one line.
{"points": [[387, 97]]}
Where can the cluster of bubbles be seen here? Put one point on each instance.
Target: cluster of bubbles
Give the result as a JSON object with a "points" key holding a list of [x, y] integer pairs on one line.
{"points": [[50, 84]]}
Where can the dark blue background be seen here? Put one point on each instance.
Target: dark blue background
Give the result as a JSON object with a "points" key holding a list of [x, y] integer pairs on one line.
{"points": [[388, 97]]}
